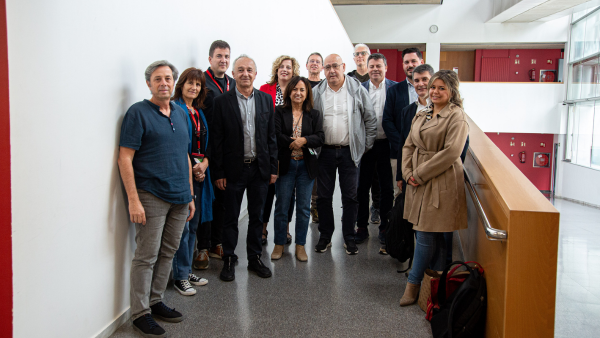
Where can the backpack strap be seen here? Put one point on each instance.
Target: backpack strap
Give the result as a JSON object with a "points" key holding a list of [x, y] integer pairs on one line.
{"points": [[442, 285]]}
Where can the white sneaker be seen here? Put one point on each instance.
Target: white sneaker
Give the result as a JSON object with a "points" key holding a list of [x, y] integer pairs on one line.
{"points": [[184, 287], [197, 280]]}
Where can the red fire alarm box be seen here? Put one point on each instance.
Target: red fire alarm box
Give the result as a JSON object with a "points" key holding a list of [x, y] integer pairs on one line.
{"points": [[541, 160]]}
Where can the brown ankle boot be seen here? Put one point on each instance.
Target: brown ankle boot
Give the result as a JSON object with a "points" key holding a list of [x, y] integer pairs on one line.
{"points": [[301, 253], [410, 294], [277, 252]]}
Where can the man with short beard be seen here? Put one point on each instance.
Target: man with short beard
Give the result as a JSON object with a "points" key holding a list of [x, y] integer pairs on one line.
{"points": [[209, 233], [398, 97]]}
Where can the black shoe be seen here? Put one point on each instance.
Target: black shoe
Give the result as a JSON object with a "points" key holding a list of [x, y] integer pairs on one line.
{"points": [[228, 272], [322, 245], [163, 312], [361, 236], [147, 327], [351, 248], [257, 266]]}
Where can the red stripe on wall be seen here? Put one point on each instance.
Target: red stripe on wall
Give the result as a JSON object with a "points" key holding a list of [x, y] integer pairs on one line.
{"points": [[6, 291], [494, 69]]}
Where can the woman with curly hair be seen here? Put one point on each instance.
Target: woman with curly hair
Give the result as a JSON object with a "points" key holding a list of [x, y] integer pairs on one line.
{"points": [[431, 165], [284, 69]]}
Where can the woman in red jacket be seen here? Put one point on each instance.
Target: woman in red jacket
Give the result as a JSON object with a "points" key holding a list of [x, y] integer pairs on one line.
{"points": [[284, 68]]}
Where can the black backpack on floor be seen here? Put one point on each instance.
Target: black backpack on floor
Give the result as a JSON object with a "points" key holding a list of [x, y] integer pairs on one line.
{"points": [[399, 235], [462, 314]]}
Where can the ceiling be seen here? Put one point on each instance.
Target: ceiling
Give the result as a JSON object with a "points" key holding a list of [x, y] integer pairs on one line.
{"points": [[387, 2], [524, 11]]}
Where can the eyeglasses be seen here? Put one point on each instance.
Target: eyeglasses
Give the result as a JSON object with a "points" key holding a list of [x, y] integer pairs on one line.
{"points": [[315, 61], [363, 53], [334, 66]]}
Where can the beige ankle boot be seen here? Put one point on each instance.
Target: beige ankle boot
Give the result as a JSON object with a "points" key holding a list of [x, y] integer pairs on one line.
{"points": [[277, 252], [410, 294], [301, 253]]}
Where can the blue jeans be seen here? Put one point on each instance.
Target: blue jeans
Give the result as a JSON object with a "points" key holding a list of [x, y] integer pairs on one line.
{"points": [[296, 177], [430, 252], [182, 260], [330, 161]]}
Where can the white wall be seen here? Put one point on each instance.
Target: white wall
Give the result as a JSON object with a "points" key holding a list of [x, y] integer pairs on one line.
{"points": [[75, 67], [514, 107], [459, 21]]}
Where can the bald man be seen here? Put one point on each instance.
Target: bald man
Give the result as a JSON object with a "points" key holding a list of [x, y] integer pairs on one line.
{"points": [[246, 159], [350, 127]]}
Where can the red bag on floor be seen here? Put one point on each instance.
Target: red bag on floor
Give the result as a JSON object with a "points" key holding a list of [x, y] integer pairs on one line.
{"points": [[454, 280]]}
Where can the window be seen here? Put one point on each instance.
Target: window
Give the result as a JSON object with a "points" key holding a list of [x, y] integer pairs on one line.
{"points": [[583, 90]]}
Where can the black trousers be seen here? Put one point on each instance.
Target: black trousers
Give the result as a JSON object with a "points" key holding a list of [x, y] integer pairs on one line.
{"points": [[375, 190], [234, 193], [378, 158], [332, 161], [209, 234]]}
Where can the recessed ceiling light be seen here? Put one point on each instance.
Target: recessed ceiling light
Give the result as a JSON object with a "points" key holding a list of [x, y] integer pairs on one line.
{"points": [[433, 29]]}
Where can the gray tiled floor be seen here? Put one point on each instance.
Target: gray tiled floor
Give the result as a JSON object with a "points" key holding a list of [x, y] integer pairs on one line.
{"points": [[332, 295], [578, 282], [336, 295]]}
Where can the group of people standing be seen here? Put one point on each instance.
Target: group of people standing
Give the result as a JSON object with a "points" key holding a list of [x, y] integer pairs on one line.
{"points": [[190, 152]]}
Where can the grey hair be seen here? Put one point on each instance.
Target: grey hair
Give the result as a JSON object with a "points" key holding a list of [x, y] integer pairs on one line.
{"points": [[362, 45], [247, 57], [160, 63], [377, 56], [420, 69]]}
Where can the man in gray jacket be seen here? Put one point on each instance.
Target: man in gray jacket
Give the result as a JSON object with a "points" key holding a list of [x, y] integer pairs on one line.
{"points": [[350, 127]]}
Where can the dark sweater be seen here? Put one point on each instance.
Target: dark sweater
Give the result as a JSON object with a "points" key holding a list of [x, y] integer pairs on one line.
{"points": [[360, 78]]}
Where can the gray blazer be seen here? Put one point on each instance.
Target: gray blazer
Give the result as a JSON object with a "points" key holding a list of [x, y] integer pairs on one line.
{"points": [[361, 117]]}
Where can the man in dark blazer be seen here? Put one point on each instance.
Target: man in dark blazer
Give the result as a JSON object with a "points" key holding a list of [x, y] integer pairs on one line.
{"points": [[245, 148], [398, 97], [378, 159], [210, 236]]}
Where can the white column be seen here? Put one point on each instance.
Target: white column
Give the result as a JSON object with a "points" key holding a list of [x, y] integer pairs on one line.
{"points": [[433, 55]]}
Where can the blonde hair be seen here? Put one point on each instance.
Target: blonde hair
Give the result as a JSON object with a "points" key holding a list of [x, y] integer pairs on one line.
{"points": [[277, 63], [450, 79]]}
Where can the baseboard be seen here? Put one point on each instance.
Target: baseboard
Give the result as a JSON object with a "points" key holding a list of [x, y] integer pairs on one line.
{"points": [[595, 206], [112, 327]]}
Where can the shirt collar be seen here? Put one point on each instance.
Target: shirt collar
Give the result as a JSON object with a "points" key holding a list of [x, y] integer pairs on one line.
{"points": [[381, 85], [409, 84], [241, 96], [157, 108]]}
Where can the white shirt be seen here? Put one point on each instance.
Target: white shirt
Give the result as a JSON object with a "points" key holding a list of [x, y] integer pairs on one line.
{"points": [[335, 116], [420, 106], [412, 92], [378, 99]]}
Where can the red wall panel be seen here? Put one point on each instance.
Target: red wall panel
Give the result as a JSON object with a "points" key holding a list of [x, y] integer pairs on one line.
{"points": [[6, 290], [391, 56], [486, 64], [530, 143], [495, 69], [400, 76], [495, 53]]}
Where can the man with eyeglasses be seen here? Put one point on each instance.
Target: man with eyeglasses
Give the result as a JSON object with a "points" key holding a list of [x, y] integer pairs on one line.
{"points": [[398, 97], [350, 128], [314, 65], [361, 53]]}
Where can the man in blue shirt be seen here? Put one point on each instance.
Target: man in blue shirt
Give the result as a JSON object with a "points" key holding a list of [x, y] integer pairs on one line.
{"points": [[156, 172]]}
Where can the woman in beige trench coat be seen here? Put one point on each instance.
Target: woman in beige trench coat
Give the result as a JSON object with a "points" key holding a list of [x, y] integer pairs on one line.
{"points": [[435, 199]]}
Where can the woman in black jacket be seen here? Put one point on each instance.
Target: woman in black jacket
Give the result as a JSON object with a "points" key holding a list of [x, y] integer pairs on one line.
{"points": [[299, 130]]}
